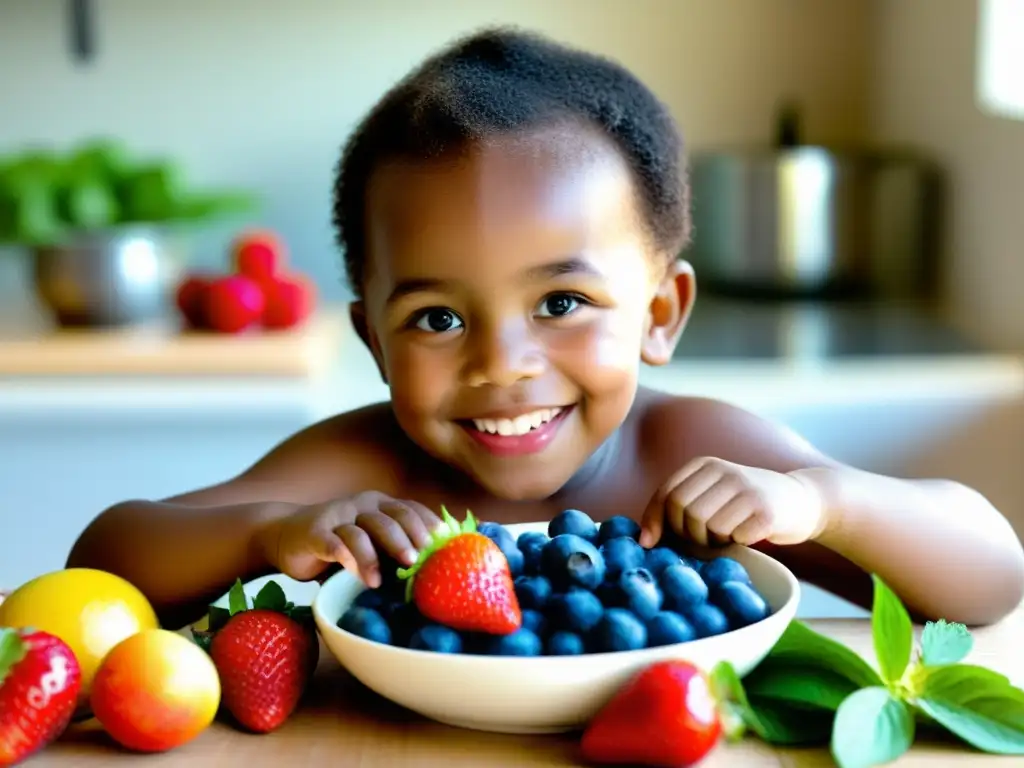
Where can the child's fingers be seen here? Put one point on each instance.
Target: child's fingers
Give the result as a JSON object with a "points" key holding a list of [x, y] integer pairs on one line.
{"points": [[431, 520], [359, 544], [722, 525], [415, 527], [386, 532], [692, 514], [329, 548], [653, 521]]}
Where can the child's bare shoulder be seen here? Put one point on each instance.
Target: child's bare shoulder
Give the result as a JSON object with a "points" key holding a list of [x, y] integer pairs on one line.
{"points": [[674, 430], [341, 455]]}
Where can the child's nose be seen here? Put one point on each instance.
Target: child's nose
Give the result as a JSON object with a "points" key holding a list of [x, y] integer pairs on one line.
{"points": [[503, 357]]}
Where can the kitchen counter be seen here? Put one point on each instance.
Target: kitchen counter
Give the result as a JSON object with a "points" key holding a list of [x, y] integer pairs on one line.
{"points": [[903, 397], [753, 354], [343, 724]]}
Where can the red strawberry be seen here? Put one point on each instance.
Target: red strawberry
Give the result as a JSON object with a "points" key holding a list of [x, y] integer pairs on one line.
{"points": [[264, 656], [191, 300], [290, 300], [258, 254], [39, 684], [462, 580], [665, 716], [233, 303]]}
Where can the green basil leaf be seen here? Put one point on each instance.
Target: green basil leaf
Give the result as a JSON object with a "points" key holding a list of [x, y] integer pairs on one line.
{"points": [[783, 725], [945, 643], [270, 598], [871, 728], [961, 683], [891, 631], [773, 721], [799, 685], [978, 705], [237, 601], [801, 645]]}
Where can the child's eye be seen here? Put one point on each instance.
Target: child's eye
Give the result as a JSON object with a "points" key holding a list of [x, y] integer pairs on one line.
{"points": [[437, 320], [560, 305]]}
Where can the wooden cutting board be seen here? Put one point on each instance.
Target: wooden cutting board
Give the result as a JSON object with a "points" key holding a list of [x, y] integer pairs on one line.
{"points": [[30, 346]]}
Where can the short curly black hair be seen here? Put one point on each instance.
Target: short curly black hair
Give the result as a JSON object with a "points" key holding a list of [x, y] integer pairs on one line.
{"points": [[501, 81]]}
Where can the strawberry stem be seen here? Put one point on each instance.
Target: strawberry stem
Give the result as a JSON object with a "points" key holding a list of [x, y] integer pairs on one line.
{"points": [[452, 528], [733, 708], [12, 650]]}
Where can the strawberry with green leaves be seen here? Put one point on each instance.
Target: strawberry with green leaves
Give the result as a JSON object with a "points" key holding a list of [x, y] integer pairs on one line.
{"points": [[39, 684], [463, 581], [265, 655]]}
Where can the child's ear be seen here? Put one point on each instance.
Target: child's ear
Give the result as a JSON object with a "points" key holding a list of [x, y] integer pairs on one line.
{"points": [[357, 314], [667, 315]]}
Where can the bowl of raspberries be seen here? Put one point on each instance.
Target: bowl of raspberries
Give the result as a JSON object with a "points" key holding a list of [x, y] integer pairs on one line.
{"points": [[531, 628]]}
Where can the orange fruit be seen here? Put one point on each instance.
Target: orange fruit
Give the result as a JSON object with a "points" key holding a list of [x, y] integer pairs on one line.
{"points": [[90, 610], [155, 691]]}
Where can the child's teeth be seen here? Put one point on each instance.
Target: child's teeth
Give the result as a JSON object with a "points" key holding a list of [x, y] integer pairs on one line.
{"points": [[520, 425]]}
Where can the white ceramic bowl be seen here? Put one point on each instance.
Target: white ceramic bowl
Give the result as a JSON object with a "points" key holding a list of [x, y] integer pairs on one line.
{"points": [[544, 694]]}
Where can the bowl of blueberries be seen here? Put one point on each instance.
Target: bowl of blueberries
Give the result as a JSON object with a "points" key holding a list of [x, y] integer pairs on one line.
{"points": [[597, 608]]}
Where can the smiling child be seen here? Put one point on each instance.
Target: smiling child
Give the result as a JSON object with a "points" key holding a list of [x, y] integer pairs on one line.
{"points": [[511, 216]]}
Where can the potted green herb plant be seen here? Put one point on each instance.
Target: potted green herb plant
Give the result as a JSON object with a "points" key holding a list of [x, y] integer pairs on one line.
{"points": [[102, 227]]}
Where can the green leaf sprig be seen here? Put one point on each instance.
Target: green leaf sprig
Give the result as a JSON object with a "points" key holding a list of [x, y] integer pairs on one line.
{"points": [[47, 197], [271, 597], [812, 690]]}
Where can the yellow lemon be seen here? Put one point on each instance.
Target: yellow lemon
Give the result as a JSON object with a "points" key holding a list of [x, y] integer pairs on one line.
{"points": [[90, 610]]}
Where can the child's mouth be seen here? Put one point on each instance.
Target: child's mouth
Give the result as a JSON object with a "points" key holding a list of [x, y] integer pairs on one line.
{"points": [[526, 433]]}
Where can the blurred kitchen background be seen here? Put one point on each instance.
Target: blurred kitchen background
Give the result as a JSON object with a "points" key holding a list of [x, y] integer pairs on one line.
{"points": [[858, 172]]}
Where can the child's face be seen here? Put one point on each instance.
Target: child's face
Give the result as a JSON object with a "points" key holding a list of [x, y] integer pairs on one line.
{"points": [[509, 298]]}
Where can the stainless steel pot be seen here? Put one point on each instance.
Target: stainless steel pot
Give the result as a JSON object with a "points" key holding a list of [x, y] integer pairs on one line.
{"points": [[811, 221], [108, 278]]}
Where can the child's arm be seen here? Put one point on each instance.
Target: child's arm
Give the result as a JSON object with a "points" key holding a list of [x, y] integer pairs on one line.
{"points": [[940, 545], [278, 515]]}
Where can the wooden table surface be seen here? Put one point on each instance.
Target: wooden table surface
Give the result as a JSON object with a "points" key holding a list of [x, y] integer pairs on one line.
{"points": [[343, 724]]}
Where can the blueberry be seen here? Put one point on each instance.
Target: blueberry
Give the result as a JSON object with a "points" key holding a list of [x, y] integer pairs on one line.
{"points": [[533, 591], [390, 584], [569, 560], [496, 532], [575, 522], [404, 619], [666, 628], [366, 623], [370, 598], [707, 620], [619, 630], [530, 544], [575, 611], [617, 526], [638, 592], [621, 554], [683, 587], [608, 593], [535, 622], [693, 562], [436, 638], [522, 642], [740, 603], [564, 644], [506, 543], [658, 559], [723, 569]]}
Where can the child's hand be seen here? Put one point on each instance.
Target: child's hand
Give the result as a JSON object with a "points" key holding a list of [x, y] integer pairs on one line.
{"points": [[711, 501], [349, 532]]}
